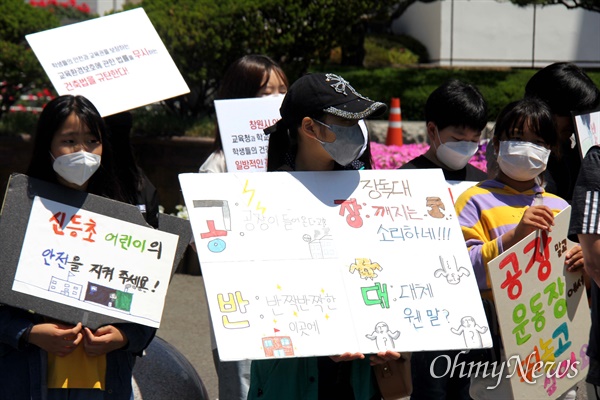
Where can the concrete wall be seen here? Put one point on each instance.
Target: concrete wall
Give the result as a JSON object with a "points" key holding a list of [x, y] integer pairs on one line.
{"points": [[493, 33], [101, 7]]}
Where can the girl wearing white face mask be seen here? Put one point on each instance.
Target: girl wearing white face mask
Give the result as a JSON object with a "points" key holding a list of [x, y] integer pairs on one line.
{"points": [[497, 213], [50, 359], [253, 75], [319, 131]]}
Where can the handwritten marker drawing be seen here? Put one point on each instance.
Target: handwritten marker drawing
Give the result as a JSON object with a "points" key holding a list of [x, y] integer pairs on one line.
{"points": [[384, 337], [216, 245], [278, 346], [65, 287], [321, 246], [452, 272], [380, 292], [325, 263], [366, 269], [108, 297], [64, 262], [436, 207], [471, 332]]}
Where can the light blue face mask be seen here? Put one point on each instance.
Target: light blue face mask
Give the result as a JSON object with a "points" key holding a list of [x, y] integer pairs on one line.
{"points": [[348, 143]]}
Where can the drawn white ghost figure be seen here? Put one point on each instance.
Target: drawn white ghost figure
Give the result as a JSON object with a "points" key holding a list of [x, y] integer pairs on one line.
{"points": [[383, 337], [452, 273], [471, 332]]}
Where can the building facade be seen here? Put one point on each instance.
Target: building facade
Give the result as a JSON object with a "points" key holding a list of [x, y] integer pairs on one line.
{"points": [[495, 33]]}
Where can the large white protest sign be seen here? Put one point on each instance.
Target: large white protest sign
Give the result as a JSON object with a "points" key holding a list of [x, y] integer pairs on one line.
{"points": [[543, 313], [241, 124], [320, 263], [94, 262], [118, 62]]}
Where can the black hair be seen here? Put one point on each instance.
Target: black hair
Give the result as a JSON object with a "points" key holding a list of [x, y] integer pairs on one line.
{"points": [[565, 88], [55, 113], [137, 188], [243, 79], [456, 103], [246, 76], [119, 126], [530, 112]]}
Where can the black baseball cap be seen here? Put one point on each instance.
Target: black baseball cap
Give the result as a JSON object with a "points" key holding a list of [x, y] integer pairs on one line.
{"points": [[319, 93]]}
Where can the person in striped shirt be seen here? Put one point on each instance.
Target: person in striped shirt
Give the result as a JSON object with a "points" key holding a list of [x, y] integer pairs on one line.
{"points": [[497, 213]]}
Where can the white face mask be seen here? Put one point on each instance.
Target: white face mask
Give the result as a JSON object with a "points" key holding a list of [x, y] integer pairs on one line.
{"points": [[455, 155], [77, 167], [522, 161], [365, 131], [348, 143]]}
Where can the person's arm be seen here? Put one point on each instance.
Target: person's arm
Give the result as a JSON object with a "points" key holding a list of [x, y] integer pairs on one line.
{"points": [[19, 329], [590, 245], [138, 336], [56, 338], [574, 259], [14, 323], [379, 358], [482, 248], [534, 218]]}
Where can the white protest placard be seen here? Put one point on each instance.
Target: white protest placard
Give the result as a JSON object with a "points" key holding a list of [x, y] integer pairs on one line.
{"points": [[94, 262], [241, 123], [118, 61], [320, 263], [587, 129], [543, 313]]}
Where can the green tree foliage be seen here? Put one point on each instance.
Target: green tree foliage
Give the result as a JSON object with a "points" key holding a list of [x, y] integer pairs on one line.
{"points": [[19, 68], [205, 36], [592, 5]]}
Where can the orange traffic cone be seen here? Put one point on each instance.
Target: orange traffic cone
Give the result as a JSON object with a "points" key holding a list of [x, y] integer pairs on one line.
{"points": [[394, 133]]}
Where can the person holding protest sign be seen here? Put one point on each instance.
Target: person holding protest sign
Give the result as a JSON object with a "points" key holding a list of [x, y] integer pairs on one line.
{"points": [[254, 75], [566, 88], [319, 131], [498, 213], [455, 115], [42, 358]]}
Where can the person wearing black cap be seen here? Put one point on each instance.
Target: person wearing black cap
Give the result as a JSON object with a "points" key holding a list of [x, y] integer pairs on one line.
{"points": [[319, 128], [319, 131]]}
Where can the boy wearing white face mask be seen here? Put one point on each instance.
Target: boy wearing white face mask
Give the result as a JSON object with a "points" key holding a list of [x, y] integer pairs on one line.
{"points": [[497, 213], [455, 114]]}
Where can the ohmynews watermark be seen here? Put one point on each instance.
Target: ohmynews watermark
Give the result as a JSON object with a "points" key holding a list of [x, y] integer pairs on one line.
{"points": [[529, 370]]}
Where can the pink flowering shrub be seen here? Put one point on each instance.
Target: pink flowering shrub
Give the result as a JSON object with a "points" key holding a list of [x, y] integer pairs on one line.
{"points": [[392, 157], [55, 6]]}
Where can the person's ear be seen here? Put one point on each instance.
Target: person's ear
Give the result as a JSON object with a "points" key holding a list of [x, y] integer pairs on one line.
{"points": [[309, 128], [431, 132]]}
